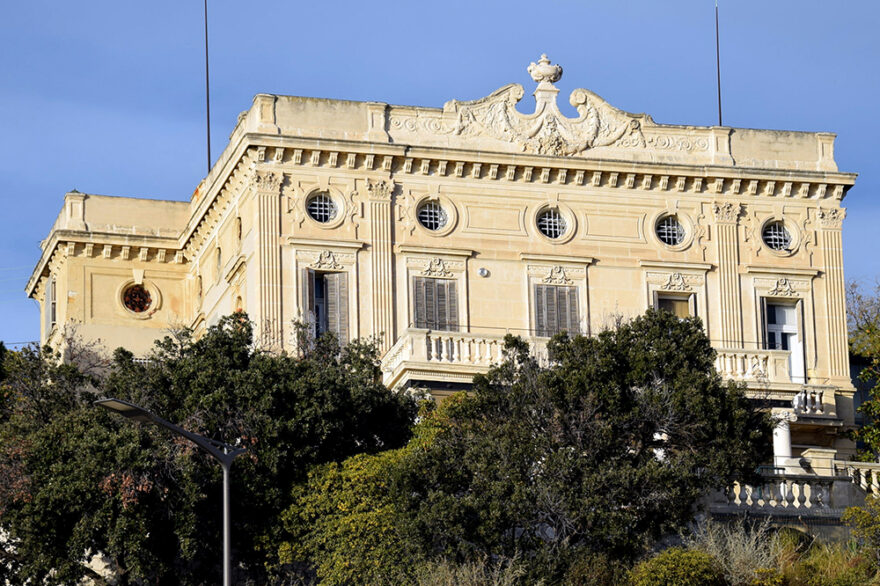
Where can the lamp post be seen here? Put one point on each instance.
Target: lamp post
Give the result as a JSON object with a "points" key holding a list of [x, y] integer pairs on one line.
{"points": [[223, 453]]}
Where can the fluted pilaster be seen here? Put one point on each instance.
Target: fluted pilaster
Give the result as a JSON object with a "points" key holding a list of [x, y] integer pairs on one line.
{"points": [[726, 218], [831, 222], [381, 277], [268, 193]]}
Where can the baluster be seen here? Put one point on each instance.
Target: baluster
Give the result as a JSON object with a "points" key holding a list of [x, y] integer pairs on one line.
{"points": [[429, 347], [771, 494], [789, 495], [874, 482], [730, 493], [802, 488], [456, 348]]}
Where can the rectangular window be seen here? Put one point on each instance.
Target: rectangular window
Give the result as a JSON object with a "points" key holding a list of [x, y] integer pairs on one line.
{"points": [[556, 309], [49, 307], [678, 305], [782, 331], [325, 301], [435, 304]]}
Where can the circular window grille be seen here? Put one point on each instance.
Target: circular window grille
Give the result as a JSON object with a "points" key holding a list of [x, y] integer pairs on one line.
{"points": [[551, 223], [432, 215], [776, 236], [670, 231], [321, 207], [137, 299]]}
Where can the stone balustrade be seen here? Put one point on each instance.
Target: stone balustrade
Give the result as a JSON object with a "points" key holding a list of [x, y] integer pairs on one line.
{"points": [[764, 366], [865, 475], [784, 492]]}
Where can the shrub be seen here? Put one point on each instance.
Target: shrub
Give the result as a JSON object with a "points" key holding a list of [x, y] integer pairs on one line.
{"points": [[503, 572], [832, 565], [741, 549], [596, 569], [678, 567]]}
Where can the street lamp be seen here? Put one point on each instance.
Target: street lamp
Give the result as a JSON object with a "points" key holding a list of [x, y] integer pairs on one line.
{"points": [[223, 453]]}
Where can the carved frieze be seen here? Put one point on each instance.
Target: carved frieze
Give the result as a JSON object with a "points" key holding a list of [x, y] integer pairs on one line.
{"points": [[675, 282]]}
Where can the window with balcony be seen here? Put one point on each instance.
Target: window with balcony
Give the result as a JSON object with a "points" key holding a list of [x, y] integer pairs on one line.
{"points": [[556, 310], [435, 304], [783, 331], [325, 302]]}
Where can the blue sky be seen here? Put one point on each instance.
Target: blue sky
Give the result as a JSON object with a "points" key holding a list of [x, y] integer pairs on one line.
{"points": [[108, 97]]}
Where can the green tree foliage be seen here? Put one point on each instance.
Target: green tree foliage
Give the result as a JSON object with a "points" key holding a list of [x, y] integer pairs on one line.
{"points": [[603, 450], [863, 317], [88, 481]]}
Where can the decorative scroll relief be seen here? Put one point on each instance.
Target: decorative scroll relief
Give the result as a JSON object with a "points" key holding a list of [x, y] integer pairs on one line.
{"points": [[782, 287], [326, 260], [676, 281], [832, 218], [547, 131], [436, 267], [557, 276]]}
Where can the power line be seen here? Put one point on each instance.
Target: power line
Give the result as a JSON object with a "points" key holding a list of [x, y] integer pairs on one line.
{"points": [[207, 89], [717, 62]]}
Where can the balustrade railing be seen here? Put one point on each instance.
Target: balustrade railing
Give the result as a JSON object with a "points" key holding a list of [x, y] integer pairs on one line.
{"points": [[784, 491], [865, 475], [769, 366]]}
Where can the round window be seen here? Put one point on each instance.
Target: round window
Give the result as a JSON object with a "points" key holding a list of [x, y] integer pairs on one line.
{"points": [[670, 231], [776, 236], [551, 223], [136, 299], [321, 207], [432, 215]]}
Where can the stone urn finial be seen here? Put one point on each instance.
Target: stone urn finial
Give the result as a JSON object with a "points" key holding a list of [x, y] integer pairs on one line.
{"points": [[544, 73]]}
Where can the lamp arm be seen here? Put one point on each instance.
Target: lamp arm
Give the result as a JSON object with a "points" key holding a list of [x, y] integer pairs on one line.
{"points": [[223, 453]]}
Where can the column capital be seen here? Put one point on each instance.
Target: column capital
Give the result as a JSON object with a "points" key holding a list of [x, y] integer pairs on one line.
{"points": [[727, 212], [831, 219], [380, 190], [268, 181]]}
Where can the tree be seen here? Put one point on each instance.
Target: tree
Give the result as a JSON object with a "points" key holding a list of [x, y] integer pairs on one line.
{"points": [[604, 449], [87, 481], [863, 320]]}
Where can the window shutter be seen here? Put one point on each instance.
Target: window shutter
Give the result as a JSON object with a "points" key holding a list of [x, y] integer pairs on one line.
{"points": [[337, 304], [551, 310], [764, 332], [442, 304], [572, 321], [308, 302], [452, 296], [419, 308], [540, 314], [430, 304]]}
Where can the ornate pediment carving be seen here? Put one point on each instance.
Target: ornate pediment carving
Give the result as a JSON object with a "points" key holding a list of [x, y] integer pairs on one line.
{"points": [[727, 212], [268, 181], [675, 282], [557, 276], [436, 267], [831, 218], [380, 190], [783, 287], [326, 260], [547, 131]]}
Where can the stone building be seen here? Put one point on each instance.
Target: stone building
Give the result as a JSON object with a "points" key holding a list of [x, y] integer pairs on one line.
{"points": [[440, 230]]}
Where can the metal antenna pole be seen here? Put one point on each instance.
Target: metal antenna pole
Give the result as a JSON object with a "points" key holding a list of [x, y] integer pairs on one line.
{"points": [[717, 62], [227, 537], [207, 89]]}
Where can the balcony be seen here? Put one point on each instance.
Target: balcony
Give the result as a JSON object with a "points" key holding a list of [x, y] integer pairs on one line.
{"points": [[422, 355]]}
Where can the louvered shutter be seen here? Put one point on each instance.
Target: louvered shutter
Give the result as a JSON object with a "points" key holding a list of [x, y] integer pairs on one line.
{"points": [[308, 301], [764, 330], [570, 317], [419, 307], [430, 304], [540, 313], [442, 300], [452, 313], [336, 291]]}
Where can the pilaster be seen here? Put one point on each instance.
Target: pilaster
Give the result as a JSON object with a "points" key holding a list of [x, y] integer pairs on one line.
{"points": [[267, 185], [730, 305], [830, 223], [381, 261]]}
